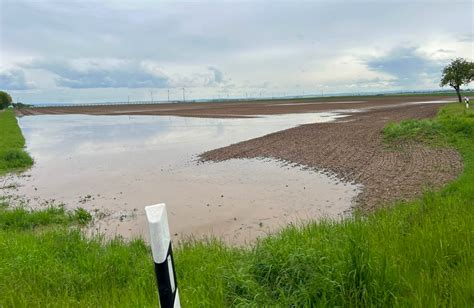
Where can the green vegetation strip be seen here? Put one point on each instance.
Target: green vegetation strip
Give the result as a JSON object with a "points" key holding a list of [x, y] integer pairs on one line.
{"points": [[12, 154], [417, 253]]}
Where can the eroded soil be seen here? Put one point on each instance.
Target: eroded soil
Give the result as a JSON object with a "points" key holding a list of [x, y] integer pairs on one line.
{"points": [[353, 148], [237, 109]]}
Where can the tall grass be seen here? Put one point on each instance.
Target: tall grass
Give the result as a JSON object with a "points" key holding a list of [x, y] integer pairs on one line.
{"points": [[426, 131], [12, 154], [417, 254], [46, 260]]}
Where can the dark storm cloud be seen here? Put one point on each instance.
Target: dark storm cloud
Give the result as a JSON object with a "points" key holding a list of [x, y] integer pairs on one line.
{"points": [[14, 79]]}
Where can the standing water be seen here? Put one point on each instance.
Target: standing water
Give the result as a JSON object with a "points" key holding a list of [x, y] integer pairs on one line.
{"points": [[116, 165]]}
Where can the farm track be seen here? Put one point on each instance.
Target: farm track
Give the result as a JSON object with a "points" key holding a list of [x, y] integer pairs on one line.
{"points": [[354, 150]]}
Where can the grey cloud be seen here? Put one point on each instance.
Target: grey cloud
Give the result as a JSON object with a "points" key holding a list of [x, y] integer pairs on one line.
{"points": [[95, 74], [442, 50], [218, 76], [468, 37], [202, 31], [14, 79], [250, 41], [406, 65]]}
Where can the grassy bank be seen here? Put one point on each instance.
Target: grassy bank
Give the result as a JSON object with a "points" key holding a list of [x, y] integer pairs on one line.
{"points": [[12, 154], [417, 253]]}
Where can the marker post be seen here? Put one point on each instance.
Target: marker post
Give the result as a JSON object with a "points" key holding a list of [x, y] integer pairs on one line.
{"points": [[160, 240]]}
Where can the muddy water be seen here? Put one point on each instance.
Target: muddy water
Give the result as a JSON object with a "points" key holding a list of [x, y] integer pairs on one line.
{"points": [[116, 165]]}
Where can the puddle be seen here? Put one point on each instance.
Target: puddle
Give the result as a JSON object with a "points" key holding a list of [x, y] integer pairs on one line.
{"points": [[116, 165]]}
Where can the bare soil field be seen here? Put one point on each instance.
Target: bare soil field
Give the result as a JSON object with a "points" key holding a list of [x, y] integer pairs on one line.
{"points": [[353, 149], [236, 109]]}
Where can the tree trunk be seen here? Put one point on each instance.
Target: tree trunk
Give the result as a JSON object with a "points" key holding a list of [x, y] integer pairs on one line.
{"points": [[458, 92]]}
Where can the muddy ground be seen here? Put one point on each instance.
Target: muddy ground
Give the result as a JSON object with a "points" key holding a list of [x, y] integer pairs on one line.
{"points": [[353, 149], [236, 108]]}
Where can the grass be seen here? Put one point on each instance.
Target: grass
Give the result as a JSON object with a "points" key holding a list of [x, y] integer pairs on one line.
{"points": [[21, 219], [12, 154], [417, 254], [426, 131]]}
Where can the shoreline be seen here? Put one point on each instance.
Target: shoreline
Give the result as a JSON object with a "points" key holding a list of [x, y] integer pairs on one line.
{"points": [[353, 149], [114, 174]]}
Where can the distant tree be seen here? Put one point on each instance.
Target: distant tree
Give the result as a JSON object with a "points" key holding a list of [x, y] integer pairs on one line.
{"points": [[21, 105], [5, 99], [459, 72]]}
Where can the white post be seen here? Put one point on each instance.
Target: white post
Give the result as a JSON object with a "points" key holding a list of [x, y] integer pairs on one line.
{"points": [[160, 240]]}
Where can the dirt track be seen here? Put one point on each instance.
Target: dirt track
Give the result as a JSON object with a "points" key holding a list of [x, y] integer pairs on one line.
{"points": [[236, 109], [353, 148]]}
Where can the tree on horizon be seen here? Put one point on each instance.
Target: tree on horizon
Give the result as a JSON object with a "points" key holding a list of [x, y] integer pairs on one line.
{"points": [[459, 72], [5, 99]]}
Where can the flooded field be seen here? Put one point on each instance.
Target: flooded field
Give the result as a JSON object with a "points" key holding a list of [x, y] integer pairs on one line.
{"points": [[116, 165]]}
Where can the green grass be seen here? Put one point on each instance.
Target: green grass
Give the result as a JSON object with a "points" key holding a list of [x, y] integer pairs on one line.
{"points": [[417, 254], [442, 131], [20, 218], [426, 131], [12, 154]]}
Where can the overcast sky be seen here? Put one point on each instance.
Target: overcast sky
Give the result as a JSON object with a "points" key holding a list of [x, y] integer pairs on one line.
{"points": [[84, 51]]}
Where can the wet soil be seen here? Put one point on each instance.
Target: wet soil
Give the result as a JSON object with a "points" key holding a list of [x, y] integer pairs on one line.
{"points": [[236, 109], [114, 166], [353, 149]]}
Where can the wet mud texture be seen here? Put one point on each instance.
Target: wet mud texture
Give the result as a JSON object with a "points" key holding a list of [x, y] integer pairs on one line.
{"points": [[353, 149], [236, 109]]}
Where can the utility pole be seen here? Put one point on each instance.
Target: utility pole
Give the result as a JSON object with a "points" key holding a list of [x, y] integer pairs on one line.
{"points": [[129, 99], [151, 95], [168, 95], [184, 95]]}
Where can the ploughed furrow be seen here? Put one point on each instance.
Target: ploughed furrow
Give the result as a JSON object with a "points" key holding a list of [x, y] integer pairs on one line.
{"points": [[354, 150]]}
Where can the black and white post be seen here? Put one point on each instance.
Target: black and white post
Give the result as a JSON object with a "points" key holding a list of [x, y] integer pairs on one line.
{"points": [[160, 240]]}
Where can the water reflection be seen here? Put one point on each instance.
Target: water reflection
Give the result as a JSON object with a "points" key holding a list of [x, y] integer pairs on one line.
{"points": [[53, 136], [127, 162]]}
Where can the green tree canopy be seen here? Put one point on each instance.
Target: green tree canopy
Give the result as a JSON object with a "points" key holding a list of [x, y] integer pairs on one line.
{"points": [[459, 72], [5, 99]]}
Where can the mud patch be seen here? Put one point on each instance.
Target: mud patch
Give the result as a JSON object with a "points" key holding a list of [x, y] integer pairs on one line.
{"points": [[353, 149], [113, 166]]}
